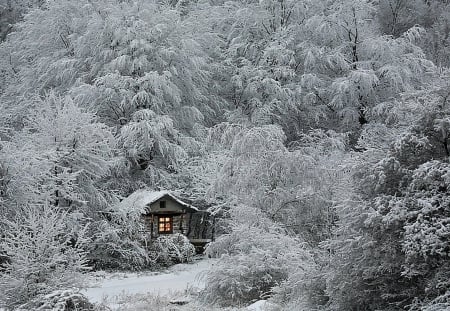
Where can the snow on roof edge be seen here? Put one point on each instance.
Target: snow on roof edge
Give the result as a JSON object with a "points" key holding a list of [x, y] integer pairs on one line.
{"points": [[143, 197]]}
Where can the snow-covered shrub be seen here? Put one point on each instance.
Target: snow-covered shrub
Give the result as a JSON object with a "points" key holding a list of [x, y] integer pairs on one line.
{"points": [[114, 249], [119, 240], [171, 249], [44, 255], [61, 300], [304, 289], [256, 257], [438, 304]]}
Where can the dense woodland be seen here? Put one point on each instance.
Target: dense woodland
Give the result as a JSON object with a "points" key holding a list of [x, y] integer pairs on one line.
{"points": [[318, 130]]}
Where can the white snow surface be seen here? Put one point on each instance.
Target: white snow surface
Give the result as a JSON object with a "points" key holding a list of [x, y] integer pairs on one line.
{"points": [[178, 278]]}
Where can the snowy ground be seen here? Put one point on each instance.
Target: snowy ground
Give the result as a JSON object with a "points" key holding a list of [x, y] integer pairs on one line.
{"points": [[171, 290], [156, 291], [179, 278]]}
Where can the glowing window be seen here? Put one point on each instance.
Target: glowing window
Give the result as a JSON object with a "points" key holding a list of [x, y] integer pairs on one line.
{"points": [[165, 224]]}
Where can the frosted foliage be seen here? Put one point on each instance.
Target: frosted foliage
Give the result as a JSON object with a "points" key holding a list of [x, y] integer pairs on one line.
{"points": [[254, 258], [44, 255], [171, 249], [148, 135], [12, 11], [250, 153], [121, 60], [307, 180], [111, 45], [392, 238], [438, 41], [261, 56], [358, 68], [59, 155], [119, 239], [302, 63], [59, 300], [427, 230]]}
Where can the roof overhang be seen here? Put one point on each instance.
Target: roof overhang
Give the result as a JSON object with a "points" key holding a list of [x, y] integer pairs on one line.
{"points": [[141, 199]]}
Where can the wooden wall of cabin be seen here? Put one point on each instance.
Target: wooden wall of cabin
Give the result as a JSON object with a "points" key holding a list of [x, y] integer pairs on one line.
{"points": [[180, 224], [194, 226]]}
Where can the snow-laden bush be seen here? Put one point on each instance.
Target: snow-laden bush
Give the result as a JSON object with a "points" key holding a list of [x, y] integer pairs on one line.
{"points": [[256, 257], [171, 249], [440, 303], [44, 255], [61, 300], [304, 289], [119, 240], [113, 248]]}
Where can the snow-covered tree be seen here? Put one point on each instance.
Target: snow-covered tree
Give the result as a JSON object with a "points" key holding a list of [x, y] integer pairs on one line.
{"points": [[44, 254], [255, 257], [395, 15], [260, 57], [138, 64], [59, 157], [12, 11], [391, 242], [437, 39], [358, 68], [296, 186]]}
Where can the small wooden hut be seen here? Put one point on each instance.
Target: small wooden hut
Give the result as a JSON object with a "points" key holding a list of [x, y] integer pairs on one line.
{"points": [[164, 214]]}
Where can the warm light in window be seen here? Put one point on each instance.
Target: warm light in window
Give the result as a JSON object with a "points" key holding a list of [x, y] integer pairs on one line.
{"points": [[165, 224]]}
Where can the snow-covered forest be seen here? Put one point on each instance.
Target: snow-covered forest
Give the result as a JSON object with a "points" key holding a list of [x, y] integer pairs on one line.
{"points": [[316, 132]]}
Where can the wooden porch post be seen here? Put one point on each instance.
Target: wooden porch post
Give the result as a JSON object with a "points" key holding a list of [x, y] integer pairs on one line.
{"points": [[151, 228], [189, 225], [205, 227], [181, 223]]}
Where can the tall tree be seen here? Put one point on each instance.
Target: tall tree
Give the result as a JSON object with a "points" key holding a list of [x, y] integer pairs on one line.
{"points": [[59, 157], [138, 64], [391, 243]]}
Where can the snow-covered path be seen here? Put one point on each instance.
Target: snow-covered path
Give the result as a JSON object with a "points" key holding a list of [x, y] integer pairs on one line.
{"points": [[177, 278]]}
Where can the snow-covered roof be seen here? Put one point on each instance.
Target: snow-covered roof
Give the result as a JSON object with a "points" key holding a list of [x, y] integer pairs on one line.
{"points": [[142, 198]]}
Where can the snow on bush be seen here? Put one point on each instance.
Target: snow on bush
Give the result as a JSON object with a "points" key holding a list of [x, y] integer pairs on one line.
{"points": [[304, 289], [62, 300], [171, 249], [44, 255], [256, 257], [114, 249], [119, 240]]}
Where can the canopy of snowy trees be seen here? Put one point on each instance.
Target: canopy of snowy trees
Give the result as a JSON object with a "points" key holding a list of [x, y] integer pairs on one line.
{"points": [[319, 131]]}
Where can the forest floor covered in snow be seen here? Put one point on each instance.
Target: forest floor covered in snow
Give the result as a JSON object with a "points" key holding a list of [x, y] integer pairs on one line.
{"points": [[173, 289], [178, 278]]}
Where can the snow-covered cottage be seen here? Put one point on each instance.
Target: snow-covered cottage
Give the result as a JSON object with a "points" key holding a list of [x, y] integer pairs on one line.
{"points": [[164, 213]]}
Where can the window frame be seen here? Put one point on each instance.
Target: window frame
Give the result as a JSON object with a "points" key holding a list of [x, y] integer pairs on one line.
{"points": [[167, 222]]}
